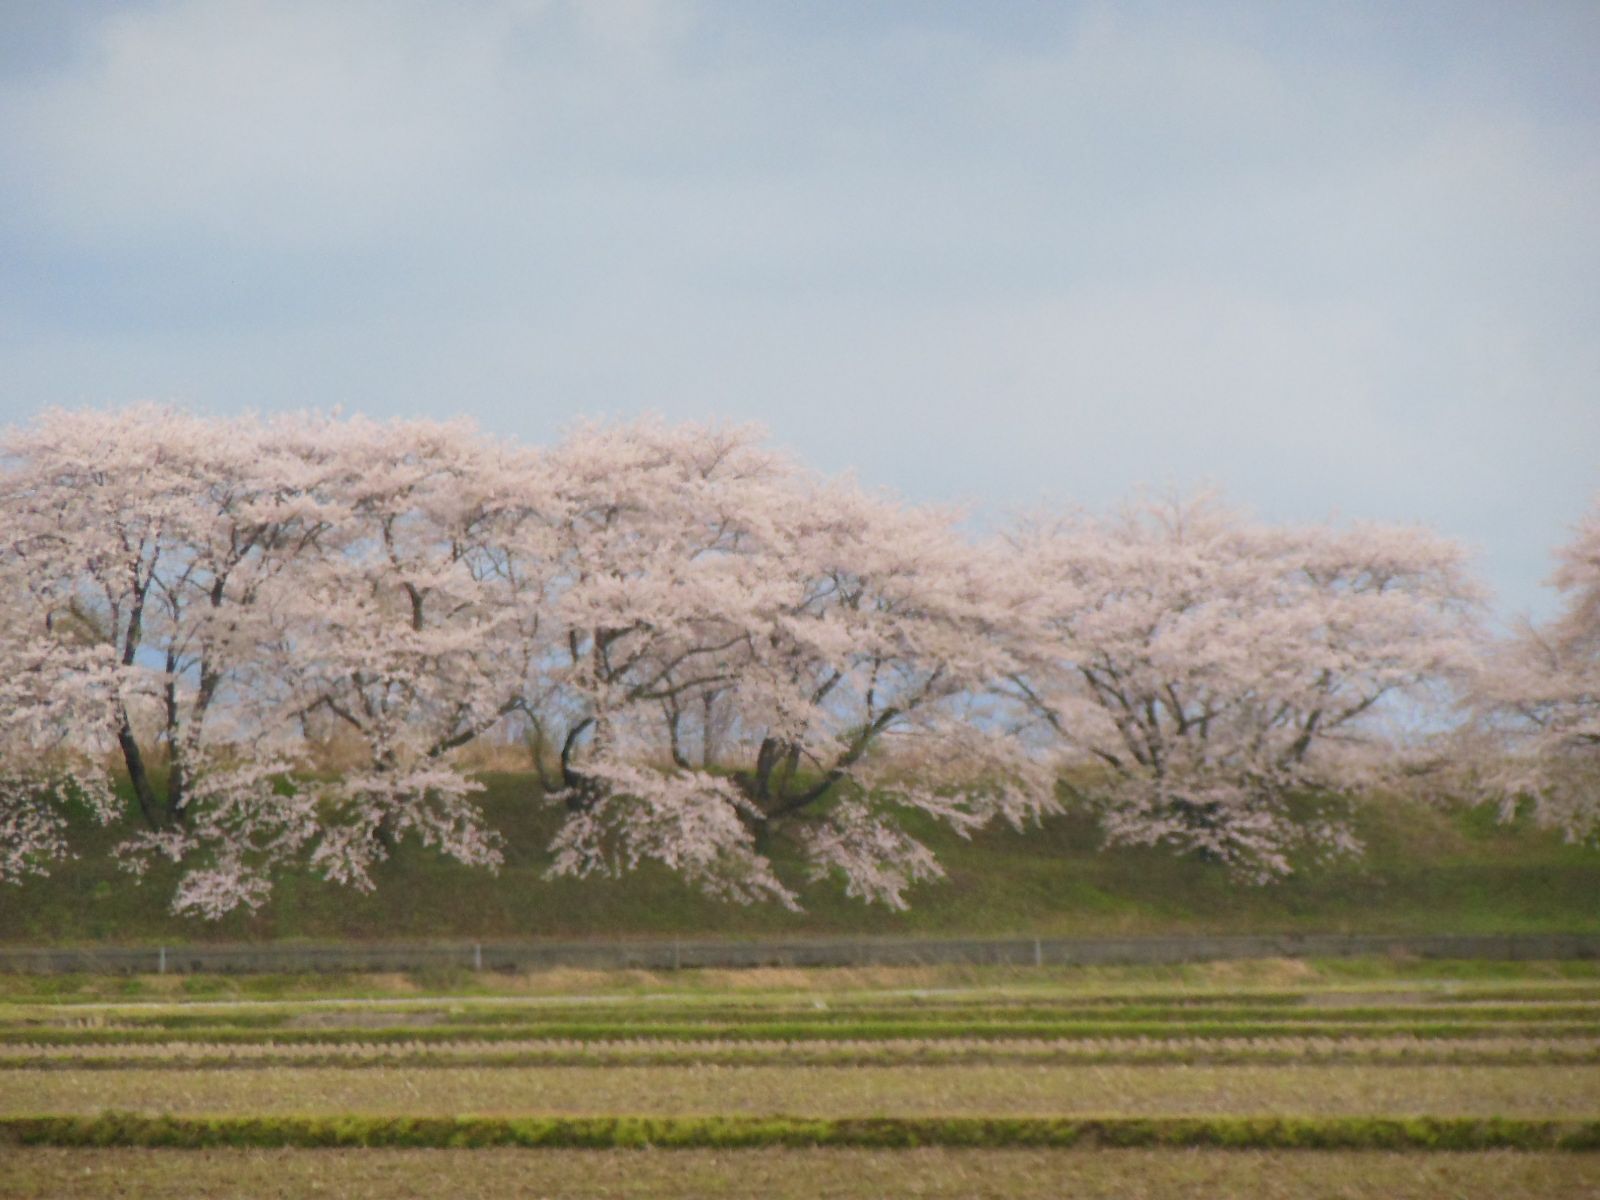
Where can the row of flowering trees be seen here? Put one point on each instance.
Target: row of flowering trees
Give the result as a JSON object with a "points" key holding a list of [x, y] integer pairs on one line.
{"points": [[710, 651]]}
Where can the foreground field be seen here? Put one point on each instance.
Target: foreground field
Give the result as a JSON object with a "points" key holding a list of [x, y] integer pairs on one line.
{"points": [[1348, 1079], [799, 1174]]}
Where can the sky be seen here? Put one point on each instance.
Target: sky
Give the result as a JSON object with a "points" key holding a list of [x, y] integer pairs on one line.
{"points": [[1338, 260]]}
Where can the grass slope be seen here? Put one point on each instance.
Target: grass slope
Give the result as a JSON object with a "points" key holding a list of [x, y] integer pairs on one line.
{"points": [[1425, 871]]}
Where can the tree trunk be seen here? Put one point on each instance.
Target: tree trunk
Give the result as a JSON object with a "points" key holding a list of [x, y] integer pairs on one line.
{"points": [[138, 774]]}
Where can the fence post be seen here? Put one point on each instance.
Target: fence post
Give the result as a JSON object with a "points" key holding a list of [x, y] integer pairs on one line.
{"points": [[161, 962], [1038, 953], [477, 956]]}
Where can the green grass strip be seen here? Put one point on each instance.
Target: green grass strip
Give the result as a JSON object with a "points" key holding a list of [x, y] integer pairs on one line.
{"points": [[1254, 1133], [1453, 1054], [114, 993], [797, 1031], [901, 1014]]}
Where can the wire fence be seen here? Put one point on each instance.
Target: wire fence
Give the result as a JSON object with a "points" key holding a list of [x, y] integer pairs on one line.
{"points": [[666, 955]]}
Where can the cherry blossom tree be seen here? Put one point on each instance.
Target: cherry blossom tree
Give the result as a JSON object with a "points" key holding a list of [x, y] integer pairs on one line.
{"points": [[659, 587], [873, 692], [414, 626], [155, 537], [1540, 691], [51, 686], [806, 639], [243, 579], [1203, 669]]}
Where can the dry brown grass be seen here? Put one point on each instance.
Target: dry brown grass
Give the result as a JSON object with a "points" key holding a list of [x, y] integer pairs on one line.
{"points": [[569, 981], [799, 1174], [1405, 1052]]}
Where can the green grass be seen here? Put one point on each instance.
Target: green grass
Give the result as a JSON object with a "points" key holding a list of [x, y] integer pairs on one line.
{"points": [[552, 1021], [1402, 1053], [766, 1031], [719, 1132], [1008, 1090], [939, 1011], [1426, 870]]}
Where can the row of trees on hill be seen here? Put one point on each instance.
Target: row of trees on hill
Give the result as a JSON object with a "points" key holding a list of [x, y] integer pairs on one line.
{"points": [[715, 657]]}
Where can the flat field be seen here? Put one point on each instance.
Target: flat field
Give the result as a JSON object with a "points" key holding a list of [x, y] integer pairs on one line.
{"points": [[1348, 1079]]}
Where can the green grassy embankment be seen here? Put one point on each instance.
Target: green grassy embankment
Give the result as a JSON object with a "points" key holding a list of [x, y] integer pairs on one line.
{"points": [[1425, 871]]}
